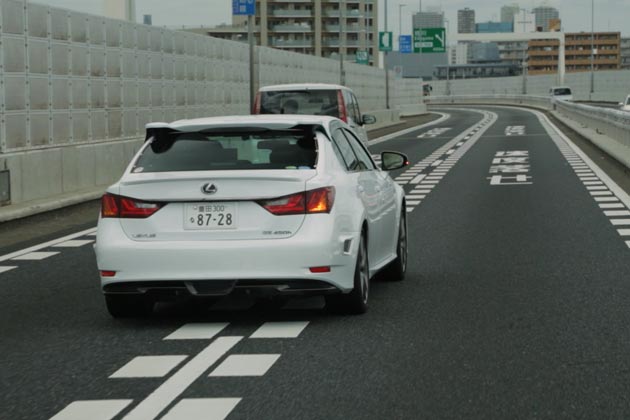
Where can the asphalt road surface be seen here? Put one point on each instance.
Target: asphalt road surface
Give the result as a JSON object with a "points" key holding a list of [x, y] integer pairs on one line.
{"points": [[516, 305]]}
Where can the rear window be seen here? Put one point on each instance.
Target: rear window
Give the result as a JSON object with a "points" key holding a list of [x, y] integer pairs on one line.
{"points": [[176, 151], [304, 102], [561, 91]]}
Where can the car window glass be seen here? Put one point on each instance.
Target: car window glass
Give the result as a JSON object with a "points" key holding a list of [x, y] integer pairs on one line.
{"points": [[347, 154], [365, 161], [198, 151], [356, 107], [350, 108], [303, 102]]}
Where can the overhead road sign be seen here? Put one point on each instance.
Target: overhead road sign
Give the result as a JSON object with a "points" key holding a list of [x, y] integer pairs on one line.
{"points": [[244, 7], [362, 57], [429, 40], [385, 41], [405, 44]]}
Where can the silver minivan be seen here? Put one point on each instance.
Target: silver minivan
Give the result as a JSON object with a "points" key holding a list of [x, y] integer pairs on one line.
{"points": [[314, 99]]}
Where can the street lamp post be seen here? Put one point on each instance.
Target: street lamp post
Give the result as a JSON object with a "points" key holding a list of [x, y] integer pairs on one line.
{"points": [[448, 60], [342, 78], [592, 49], [385, 65]]}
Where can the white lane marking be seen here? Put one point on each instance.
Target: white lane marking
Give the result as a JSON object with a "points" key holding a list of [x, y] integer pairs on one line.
{"points": [[600, 193], [588, 178], [165, 394], [620, 222], [418, 179], [612, 206], [419, 190], [440, 120], [280, 329], [515, 130], [404, 177], [92, 410], [624, 232], [7, 268], [617, 213], [604, 199], [416, 197], [74, 243], [35, 256], [402, 182], [434, 132], [46, 244], [149, 367], [202, 409], [437, 163], [245, 365], [197, 331], [450, 152], [583, 171], [593, 183], [430, 182], [413, 202], [597, 188]]}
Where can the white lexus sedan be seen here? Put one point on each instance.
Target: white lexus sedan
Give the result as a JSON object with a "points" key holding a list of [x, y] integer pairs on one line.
{"points": [[272, 204]]}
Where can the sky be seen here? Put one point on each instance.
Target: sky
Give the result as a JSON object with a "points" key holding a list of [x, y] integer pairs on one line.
{"points": [[575, 14]]}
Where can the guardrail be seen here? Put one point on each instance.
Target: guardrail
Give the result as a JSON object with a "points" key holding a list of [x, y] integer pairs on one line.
{"points": [[611, 127]]}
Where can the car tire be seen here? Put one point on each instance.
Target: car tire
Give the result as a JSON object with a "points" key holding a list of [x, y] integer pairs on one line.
{"points": [[396, 270], [355, 302], [129, 306]]}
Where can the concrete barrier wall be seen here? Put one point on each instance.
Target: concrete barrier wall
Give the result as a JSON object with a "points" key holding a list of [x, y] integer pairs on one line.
{"points": [[77, 88], [610, 86]]}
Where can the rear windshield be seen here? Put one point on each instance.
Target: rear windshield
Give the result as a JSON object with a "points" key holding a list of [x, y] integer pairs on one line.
{"points": [[175, 151], [305, 102], [562, 91]]}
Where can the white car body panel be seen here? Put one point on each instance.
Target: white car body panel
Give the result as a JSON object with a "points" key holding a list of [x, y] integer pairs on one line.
{"points": [[157, 248]]}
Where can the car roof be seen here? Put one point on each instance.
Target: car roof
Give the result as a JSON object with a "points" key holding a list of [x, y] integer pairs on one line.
{"points": [[303, 86], [270, 121]]}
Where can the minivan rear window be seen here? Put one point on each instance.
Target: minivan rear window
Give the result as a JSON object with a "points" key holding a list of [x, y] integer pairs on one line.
{"points": [[198, 151], [304, 102], [561, 91]]}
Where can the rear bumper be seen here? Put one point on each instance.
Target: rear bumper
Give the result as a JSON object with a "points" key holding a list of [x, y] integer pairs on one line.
{"points": [[217, 268]]}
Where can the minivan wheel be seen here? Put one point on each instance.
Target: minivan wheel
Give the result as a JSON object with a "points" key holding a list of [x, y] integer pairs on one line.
{"points": [[129, 306], [356, 301], [396, 270]]}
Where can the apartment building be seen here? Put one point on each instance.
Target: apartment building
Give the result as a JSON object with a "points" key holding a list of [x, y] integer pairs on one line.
{"points": [[310, 27], [625, 53], [543, 54], [466, 21]]}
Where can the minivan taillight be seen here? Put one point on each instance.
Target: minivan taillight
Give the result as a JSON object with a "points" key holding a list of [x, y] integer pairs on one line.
{"points": [[127, 208], [343, 113], [256, 109], [319, 200]]}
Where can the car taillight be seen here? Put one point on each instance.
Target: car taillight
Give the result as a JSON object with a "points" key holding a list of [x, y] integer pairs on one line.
{"points": [[256, 109], [310, 202], [127, 208], [343, 114]]}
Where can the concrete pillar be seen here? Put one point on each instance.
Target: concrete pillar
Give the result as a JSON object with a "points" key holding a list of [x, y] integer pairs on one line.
{"points": [[317, 34], [561, 60]]}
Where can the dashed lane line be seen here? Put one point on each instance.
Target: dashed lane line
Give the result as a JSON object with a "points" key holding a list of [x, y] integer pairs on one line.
{"points": [[443, 117], [35, 256], [92, 410], [245, 365], [46, 245]]}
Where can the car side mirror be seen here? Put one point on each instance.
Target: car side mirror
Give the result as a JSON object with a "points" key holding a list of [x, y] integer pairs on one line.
{"points": [[368, 119], [390, 161]]}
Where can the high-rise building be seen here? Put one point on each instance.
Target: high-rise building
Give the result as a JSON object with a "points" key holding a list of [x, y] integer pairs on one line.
{"points": [[625, 53], [311, 27], [543, 54], [543, 15], [466, 21], [428, 20], [508, 11], [120, 9], [524, 22]]}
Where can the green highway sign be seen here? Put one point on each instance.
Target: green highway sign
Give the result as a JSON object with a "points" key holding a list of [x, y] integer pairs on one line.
{"points": [[385, 41], [362, 57], [429, 40]]}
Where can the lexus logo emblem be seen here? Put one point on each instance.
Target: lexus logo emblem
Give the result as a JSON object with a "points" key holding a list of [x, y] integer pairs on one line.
{"points": [[209, 188]]}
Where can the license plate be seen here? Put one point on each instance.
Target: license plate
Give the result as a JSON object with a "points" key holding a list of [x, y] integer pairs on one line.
{"points": [[210, 216]]}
